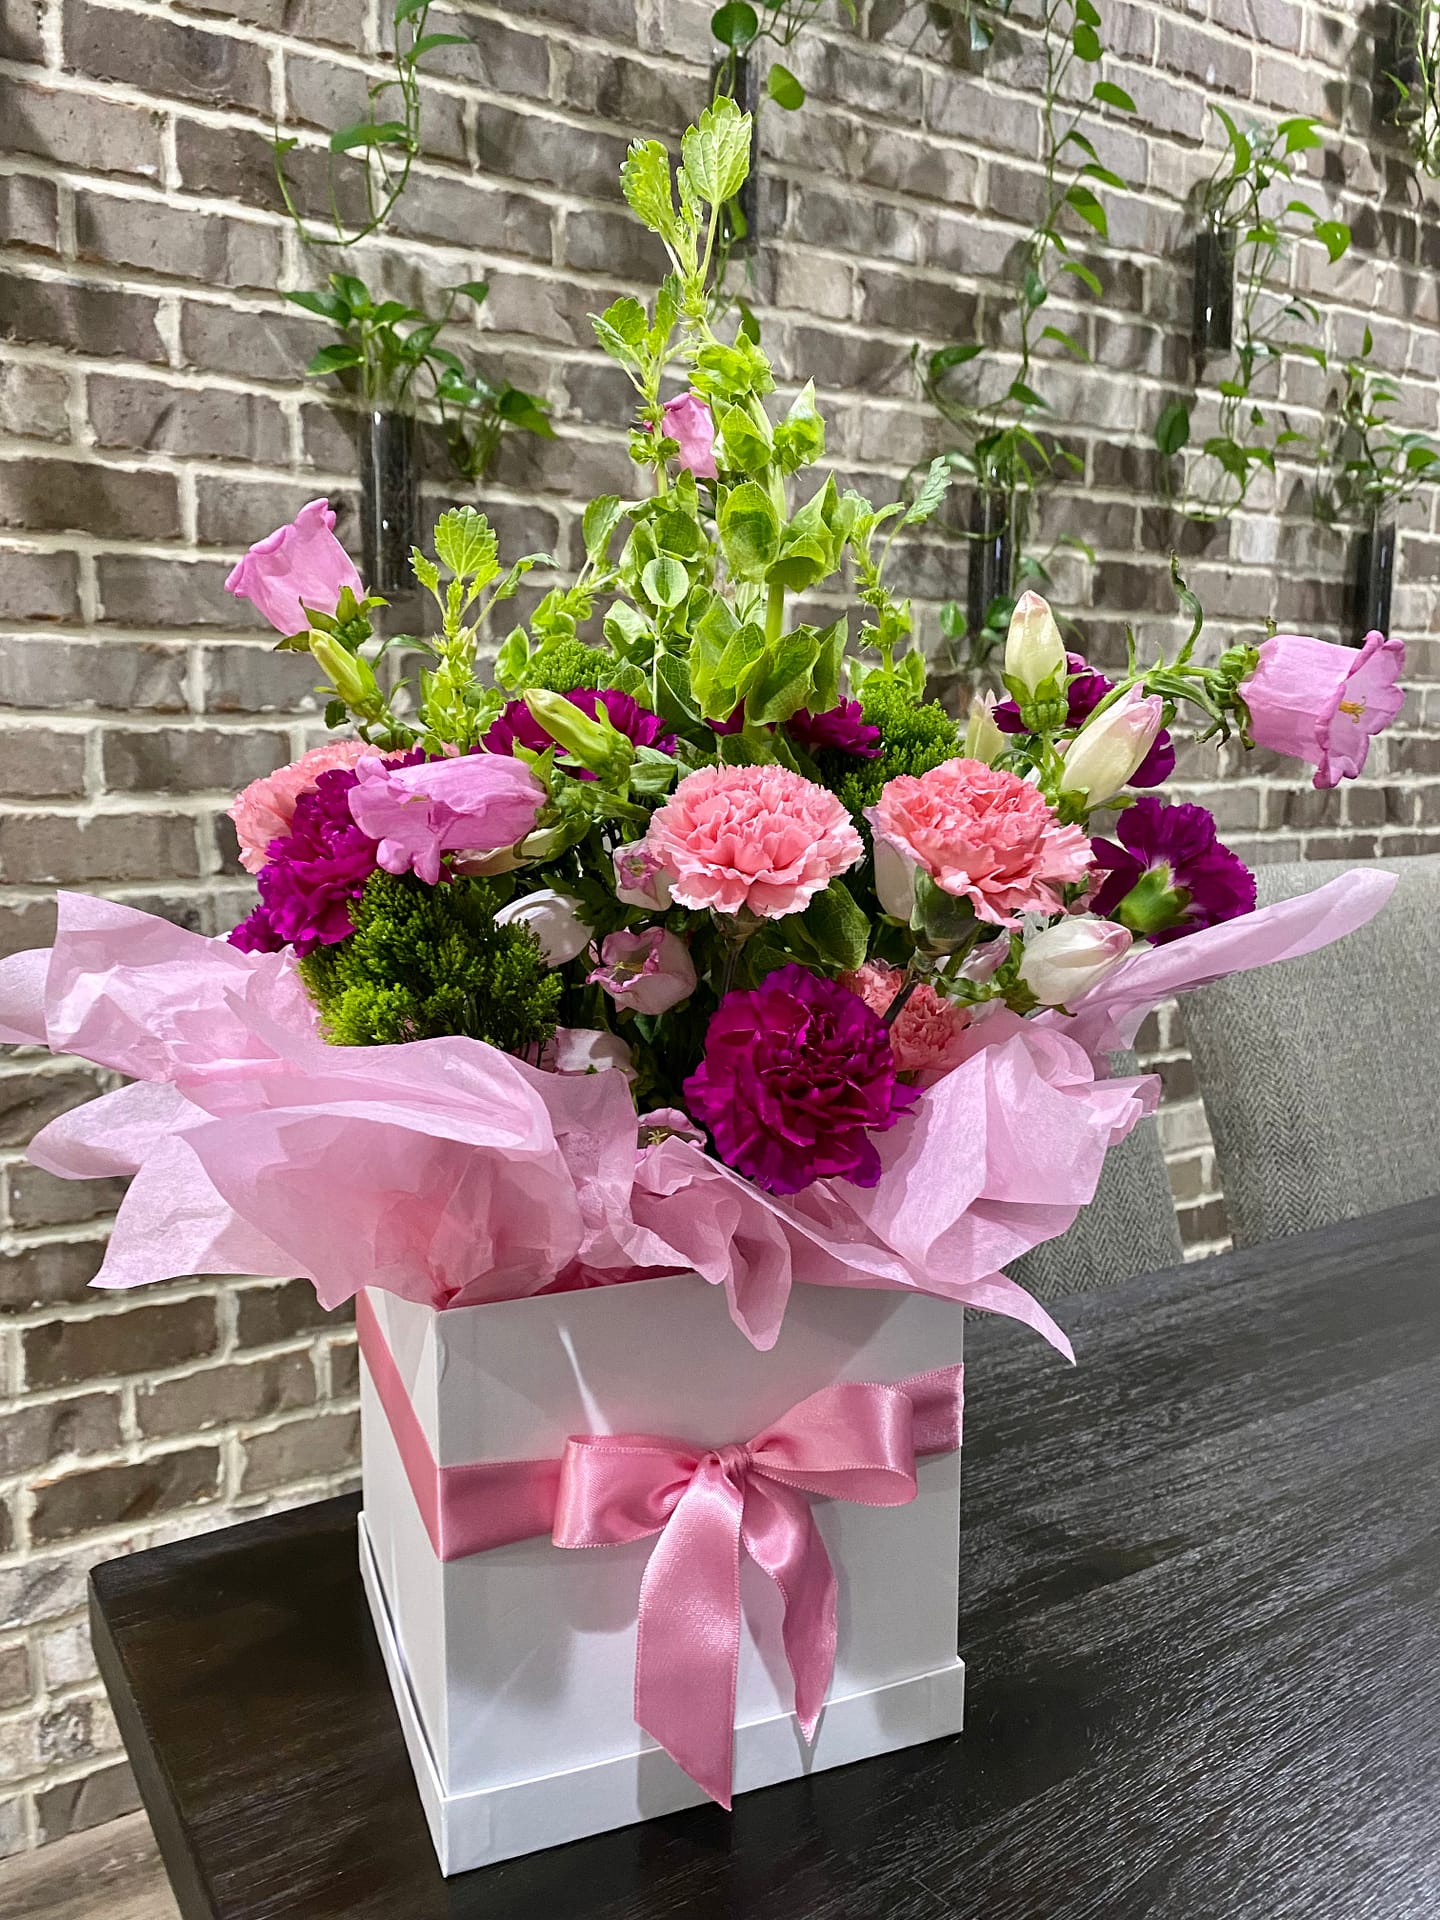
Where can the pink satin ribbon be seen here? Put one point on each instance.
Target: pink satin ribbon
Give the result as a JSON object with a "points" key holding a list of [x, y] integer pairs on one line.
{"points": [[851, 1441]]}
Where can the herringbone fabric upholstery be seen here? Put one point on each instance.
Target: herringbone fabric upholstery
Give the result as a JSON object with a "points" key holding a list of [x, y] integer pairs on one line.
{"points": [[1321, 1076], [1128, 1228]]}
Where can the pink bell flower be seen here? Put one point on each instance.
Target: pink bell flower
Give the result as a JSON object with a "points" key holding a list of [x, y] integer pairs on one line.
{"points": [[689, 421], [1322, 703], [648, 971], [475, 804], [298, 566]]}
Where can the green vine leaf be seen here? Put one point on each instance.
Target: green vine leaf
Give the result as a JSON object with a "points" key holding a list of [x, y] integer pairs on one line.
{"points": [[783, 88], [466, 544]]}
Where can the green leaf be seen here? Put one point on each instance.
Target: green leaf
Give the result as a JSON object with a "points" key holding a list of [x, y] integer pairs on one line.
{"points": [[1300, 132], [602, 516], [476, 290], [1420, 457], [839, 927], [803, 563], [383, 133], [956, 356], [1087, 11], [428, 42], [735, 25], [933, 489], [645, 182], [1066, 340], [1109, 95], [778, 683], [628, 631], [749, 531], [407, 9], [665, 582], [466, 544], [1033, 290], [330, 306], [1334, 236], [334, 359], [1172, 429], [1240, 148], [800, 436], [525, 411], [1085, 41], [672, 692], [1106, 175], [1079, 196], [1085, 275], [425, 570], [715, 152], [1025, 396], [746, 447], [783, 88]]}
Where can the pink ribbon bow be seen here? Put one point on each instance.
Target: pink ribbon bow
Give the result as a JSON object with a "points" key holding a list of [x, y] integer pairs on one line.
{"points": [[851, 1441]]}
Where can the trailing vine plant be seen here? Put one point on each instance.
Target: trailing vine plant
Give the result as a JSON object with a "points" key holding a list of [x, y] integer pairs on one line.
{"points": [[385, 349], [1238, 205], [1411, 70], [991, 394], [1371, 464], [379, 149]]}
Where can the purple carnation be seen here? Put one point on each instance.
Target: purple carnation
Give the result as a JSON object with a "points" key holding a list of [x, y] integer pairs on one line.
{"points": [[1185, 878], [517, 726], [796, 1076], [313, 873], [1085, 693], [842, 729]]}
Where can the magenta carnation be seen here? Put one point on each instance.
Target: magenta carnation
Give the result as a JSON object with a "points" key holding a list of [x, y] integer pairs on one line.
{"points": [[266, 808], [842, 729], [797, 1075], [1084, 694], [517, 726], [315, 871], [1170, 875]]}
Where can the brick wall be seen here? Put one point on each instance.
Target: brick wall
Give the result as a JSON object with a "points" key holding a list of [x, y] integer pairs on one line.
{"points": [[152, 423]]}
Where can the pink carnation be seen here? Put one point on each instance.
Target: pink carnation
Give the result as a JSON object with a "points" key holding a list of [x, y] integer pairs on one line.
{"points": [[928, 1035], [265, 810], [761, 838], [984, 835]]}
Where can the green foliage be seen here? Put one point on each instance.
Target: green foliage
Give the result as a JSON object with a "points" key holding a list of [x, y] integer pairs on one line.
{"points": [[994, 400], [381, 147], [915, 735], [1411, 71], [425, 961], [1371, 465], [1271, 321], [385, 347], [568, 664]]}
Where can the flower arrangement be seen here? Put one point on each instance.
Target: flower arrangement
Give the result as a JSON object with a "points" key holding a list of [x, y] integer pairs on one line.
{"points": [[699, 947], [730, 937]]}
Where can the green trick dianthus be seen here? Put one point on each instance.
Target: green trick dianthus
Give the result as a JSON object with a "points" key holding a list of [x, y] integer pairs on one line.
{"points": [[425, 961]]}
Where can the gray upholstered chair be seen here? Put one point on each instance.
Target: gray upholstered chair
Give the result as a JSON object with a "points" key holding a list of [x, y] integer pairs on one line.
{"points": [[1129, 1227], [1321, 1076]]}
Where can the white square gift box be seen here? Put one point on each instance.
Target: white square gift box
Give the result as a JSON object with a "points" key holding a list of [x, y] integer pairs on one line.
{"points": [[513, 1667]]}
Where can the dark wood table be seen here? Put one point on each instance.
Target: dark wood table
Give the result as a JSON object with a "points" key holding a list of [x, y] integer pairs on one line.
{"points": [[1199, 1606]]}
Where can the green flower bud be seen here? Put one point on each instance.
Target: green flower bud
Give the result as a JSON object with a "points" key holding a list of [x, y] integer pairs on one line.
{"points": [[350, 676], [596, 744]]}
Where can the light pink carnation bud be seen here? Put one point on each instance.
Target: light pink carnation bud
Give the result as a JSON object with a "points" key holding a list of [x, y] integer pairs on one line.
{"points": [[648, 971], [298, 566], [1322, 703], [688, 420], [1063, 961], [475, 804], [1110, 747], [928, 1035], [266, 808]]}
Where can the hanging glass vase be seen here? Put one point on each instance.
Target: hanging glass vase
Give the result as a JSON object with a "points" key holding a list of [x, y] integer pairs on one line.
{"points": [[389, 498]]}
